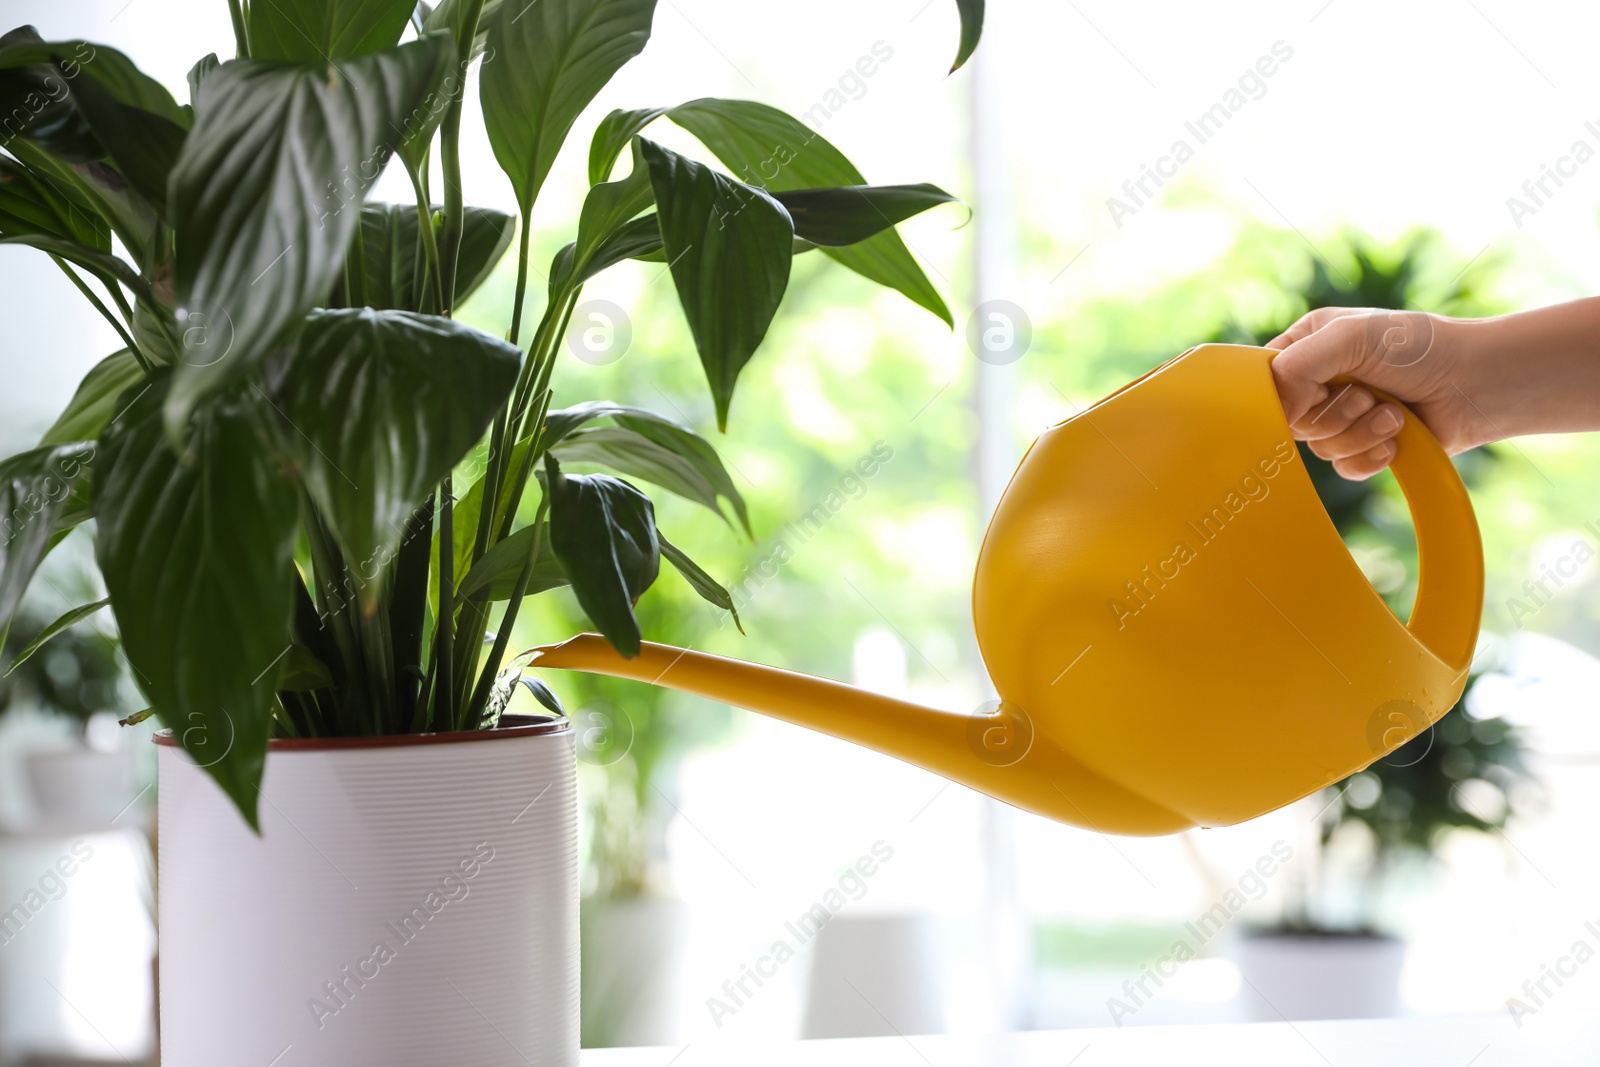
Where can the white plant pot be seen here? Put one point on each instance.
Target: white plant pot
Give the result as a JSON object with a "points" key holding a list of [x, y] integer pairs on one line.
{"points": [[1292, 976], [875, 976], [411, 901], [633, 971], [78, 789]]}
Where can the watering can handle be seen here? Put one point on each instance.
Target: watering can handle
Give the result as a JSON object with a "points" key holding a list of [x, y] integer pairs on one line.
{"points": [[1449, 604]]}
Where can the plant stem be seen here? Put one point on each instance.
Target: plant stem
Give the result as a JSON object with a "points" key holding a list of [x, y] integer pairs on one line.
{"points": [[241, 34], [444, 693], [328, 565], [522, 279], [430, 243], [450, 162], [358, 292], [491, 668], [105, 312]]}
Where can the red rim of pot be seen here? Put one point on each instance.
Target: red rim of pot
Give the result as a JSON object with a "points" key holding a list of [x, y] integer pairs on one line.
{"points": [[511, 726]]}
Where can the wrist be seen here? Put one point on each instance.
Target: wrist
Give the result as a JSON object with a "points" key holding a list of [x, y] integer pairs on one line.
{"points": [[1530, 372], [1472, 377]]}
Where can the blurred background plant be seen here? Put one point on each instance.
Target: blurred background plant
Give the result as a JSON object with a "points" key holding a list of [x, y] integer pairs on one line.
{"points": [[76, 676]]}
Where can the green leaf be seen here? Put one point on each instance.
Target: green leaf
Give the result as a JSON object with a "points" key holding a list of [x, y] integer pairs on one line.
{"points": [[495, 575], [729, 246], [198, 556], [543, 694], [92, 406], [98, 189], [67, 95], [49, 132], [375, 407], [392, 253], [603, 531], [43, 495], [659, 451], [450, 14], [323, 31], [708, 587], [550, 59], [609, 207], [76, 615], [101, 264], [36, 103], [260, 189], [846, 216], [198, 73], [672, 435], [300, 671], [767, 147], [143, 144], [971, 31], [613, 135], [30, 203]]}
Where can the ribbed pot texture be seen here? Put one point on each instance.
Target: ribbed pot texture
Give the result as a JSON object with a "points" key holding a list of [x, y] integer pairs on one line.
{"points": [[410, 901]]}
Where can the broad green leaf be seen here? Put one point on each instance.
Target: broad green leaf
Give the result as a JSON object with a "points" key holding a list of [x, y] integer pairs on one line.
{"points": [[639, 239], [198, 556], [609, 207], [666, 432], [142, 144], [260, 194], [392, 253], [56, 71], [30, 203], [48, 131], [971, 31], [70, 618], [198, 73], [729, 246], [92, 406], [324, 31], [35, 100], [849, 215], [375, 407], [765, 146], [613, 135], [708, 587], [99, 189], [550, 59], [495, 575], [43, 495], [677, 460], [603, 531]]}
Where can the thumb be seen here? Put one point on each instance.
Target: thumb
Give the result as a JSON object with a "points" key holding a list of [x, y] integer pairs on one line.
{"points": [[1304, 369]]}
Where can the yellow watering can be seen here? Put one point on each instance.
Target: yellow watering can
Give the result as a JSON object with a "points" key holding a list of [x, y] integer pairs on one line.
{"points": [[1178, 635]]}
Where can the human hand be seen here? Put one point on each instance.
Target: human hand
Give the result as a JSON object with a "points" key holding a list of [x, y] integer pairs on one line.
{"points": [[1413, 356]]}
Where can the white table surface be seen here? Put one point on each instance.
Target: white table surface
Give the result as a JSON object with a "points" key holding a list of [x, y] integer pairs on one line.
{"points": [[1549, 1039]]}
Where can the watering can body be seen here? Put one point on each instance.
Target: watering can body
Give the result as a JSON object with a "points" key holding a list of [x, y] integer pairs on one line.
{"points": [[1177, 633]]}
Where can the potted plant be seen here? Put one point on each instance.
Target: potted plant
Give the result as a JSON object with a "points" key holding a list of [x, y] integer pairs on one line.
{"points": [[319, 500], [75, 678], [1336, 953]]}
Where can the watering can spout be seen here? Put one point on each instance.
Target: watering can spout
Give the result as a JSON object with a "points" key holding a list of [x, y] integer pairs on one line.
{"points": [[998, 753]]}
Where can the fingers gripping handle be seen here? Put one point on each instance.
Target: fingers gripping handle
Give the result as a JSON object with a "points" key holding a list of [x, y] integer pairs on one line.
{"points": [[1449, 605]]}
